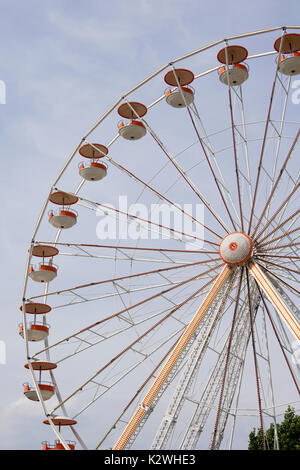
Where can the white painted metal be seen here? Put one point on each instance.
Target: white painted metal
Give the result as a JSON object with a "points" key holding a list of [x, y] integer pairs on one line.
{"points": [[236, 364], [132, 131], [93, 173], [290, 65], [205, 330], [46, 392]]}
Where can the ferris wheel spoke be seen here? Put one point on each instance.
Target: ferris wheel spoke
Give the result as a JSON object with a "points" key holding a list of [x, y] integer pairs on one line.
{"points": [[247, 177], [128, 371], [280, 133], [208, 145], [275, 185], [130, 316], [134, 248], [127, 348], [165, 252], [279, 247], [291, 305], [140, 389], [287, 206], [132, 325], [205, 274], [282, 249], [280, 256]]}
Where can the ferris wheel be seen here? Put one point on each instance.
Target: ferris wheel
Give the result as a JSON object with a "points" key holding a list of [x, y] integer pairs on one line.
{"points": [[163, 311]]}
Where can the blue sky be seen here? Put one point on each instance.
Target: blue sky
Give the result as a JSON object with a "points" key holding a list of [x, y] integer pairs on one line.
{"points": [[64, 63]]}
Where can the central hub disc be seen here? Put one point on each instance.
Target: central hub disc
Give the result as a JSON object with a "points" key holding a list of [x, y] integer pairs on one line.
{"points": [[236, 248]]}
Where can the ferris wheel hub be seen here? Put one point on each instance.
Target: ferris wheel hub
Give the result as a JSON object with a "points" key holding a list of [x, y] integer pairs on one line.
{"points": [[236, 248]]}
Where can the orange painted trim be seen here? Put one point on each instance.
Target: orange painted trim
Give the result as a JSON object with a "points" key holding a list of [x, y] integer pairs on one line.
{"points": [[235, 66], [183, 88]]}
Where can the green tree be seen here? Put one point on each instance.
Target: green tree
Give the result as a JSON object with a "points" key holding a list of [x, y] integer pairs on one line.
{"points": [[288, 434]]}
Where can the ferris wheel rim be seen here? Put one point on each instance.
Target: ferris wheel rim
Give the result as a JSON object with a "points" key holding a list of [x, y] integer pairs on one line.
{"points": [[83, 141]]}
